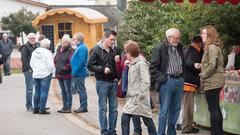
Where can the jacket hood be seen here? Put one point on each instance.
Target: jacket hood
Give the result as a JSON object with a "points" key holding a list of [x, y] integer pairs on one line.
{"points": [[39, 53], [100, 44]]}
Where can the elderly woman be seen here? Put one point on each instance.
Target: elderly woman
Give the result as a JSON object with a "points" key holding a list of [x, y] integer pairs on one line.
{"points": [[42, 65], [212, 76], [63, 72], [138, 97]]}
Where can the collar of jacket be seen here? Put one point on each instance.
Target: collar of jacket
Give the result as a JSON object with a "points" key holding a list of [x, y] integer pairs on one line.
{"points": [[81, 43], [135, 60]]}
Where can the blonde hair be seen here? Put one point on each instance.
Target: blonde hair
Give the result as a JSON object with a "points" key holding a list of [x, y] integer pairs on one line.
{"points": [[212, 37]]}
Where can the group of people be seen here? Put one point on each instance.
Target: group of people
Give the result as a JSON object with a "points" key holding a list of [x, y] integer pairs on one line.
{"points": [[6, 47], [174, 73], [177, 74], [39, 66]]}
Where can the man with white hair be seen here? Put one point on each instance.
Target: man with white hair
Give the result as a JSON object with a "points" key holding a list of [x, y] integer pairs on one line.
{"points": [[166, 70], [26, 53], [7, 47]]}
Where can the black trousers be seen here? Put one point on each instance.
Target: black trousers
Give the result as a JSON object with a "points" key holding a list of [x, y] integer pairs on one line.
{"points": [[216, 119], [125, 124]]}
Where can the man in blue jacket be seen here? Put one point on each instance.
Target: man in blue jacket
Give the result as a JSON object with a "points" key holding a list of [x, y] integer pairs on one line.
{"points": [[79, 70]]}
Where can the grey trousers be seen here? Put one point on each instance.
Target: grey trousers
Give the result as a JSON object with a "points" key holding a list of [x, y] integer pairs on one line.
{"points": [[187, 111]]}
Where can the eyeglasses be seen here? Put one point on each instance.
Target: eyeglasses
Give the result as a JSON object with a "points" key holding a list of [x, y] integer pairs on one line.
{"points": [[203, 33], [176, 38], [32, 38]]}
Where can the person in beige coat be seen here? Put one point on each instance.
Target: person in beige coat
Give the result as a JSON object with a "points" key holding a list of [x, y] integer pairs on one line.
{"points": [[212, 76], [138, 97]]}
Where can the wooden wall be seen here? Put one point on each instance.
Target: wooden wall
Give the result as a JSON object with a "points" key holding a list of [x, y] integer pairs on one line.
{"points": [[92, 32]]}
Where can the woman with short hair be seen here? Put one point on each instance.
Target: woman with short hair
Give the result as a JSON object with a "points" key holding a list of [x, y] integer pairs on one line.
{"points": [[63, 72], [42, 65], [138, 96]]}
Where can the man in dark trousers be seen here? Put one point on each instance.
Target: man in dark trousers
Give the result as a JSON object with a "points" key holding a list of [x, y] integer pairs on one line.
{"points": [[26, 53], [166, 69], [102, 63], [7, 47], [193, 56]]}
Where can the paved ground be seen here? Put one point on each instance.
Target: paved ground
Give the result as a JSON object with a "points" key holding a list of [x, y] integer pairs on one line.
{"points": [[15, 120], [92, 116]]}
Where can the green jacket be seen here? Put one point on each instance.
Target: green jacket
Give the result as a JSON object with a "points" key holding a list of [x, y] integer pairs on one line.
{"points": [[212, 71]]}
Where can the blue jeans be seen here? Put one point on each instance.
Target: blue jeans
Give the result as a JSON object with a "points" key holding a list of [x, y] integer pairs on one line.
{"points": [[65, 85], [170, 105], [6, 65], [80, 86], [107, 91], [125, 124], [42, 86], [29, 88]]}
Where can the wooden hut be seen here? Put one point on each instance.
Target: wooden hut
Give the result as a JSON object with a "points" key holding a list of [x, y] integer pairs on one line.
{"points": [[56, 22]]}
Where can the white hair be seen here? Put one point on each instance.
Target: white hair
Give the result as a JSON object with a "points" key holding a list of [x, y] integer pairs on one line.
{"points": [[45, 43], [171, 32], [5, 35], [66, 37], [31, 35]]}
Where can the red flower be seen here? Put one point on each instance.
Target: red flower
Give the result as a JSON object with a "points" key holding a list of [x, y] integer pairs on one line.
{"points": [[221, 1], [192, 1], [179, 1], [207, 1], [234, 2], [164, 1]]}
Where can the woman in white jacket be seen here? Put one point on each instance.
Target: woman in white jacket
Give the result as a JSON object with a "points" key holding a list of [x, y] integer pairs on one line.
{"points": [[42, 65]]}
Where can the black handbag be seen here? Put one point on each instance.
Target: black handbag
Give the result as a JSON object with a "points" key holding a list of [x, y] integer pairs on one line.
{"points": [[1, 58]]}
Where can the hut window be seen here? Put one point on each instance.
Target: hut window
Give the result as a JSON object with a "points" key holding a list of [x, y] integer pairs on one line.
{"points": [[64, 28]]}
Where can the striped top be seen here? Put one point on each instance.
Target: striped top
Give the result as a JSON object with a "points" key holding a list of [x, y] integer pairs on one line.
{"points": [[175, 62]]}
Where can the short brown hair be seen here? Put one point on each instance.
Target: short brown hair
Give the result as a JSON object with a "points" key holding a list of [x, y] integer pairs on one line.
{"points": [[132, 47], [109, 33]]}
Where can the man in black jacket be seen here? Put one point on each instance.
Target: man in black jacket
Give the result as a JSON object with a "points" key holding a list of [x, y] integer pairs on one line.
{"points": [[26, 53], [102, 63], [193, 56], [7, 47], [166, 69]]}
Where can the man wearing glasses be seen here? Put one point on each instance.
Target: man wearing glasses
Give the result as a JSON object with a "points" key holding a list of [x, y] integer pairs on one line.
{"points": [[26, 53], [166, 70]]}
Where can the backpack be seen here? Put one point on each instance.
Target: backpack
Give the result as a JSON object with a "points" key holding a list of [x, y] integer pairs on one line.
{"points": [[124, 81]]}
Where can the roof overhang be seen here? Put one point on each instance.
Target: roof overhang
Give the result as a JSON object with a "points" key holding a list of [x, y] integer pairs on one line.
{"points": [[34, 3], [88, 15], [234, 2]]}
